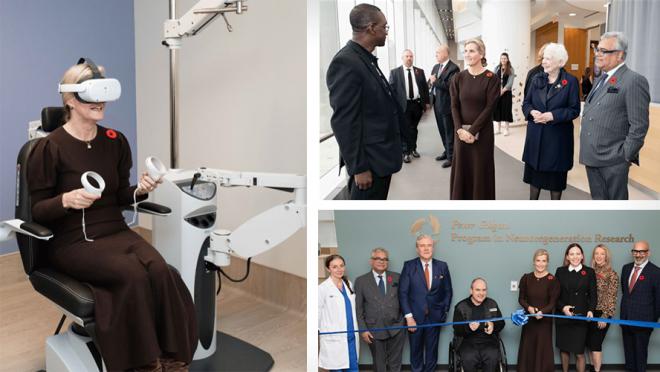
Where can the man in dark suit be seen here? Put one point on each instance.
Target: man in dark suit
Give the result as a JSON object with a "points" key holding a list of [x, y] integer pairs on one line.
{"points": [[441, 76], [377, 306], [366, 118], [412, 93], [615, 121], [640, 286], [425, 294]]}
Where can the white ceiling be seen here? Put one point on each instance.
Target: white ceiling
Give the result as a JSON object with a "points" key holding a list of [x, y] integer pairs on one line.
{"points": [[588, 13]]}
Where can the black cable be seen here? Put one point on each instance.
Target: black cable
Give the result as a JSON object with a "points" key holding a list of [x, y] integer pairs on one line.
{"points": [[219, 271]]}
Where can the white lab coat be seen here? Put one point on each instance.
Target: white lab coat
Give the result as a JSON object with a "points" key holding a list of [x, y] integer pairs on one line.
{"points": [[333, 353]]}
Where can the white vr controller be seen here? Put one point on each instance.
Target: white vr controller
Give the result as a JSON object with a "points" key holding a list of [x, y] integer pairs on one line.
{"points": [[155, 168], [88, 185]]}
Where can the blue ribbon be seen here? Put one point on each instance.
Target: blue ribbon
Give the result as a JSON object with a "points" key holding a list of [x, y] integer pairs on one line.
{"points": [[518, 318]]}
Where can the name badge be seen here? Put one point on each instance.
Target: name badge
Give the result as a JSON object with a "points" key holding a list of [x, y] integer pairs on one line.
{"points": [[493, 310]]}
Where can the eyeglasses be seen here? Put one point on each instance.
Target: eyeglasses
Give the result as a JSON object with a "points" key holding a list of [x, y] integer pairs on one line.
{"points": [[635, 251], [606, 51], [379, 259]]}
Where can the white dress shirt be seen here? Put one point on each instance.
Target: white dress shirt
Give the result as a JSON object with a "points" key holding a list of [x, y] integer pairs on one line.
{"points": [[641, 268], [414, 82]]}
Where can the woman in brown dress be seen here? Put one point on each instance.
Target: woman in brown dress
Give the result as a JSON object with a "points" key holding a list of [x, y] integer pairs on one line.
{"points": [[607, 283], [473, 95], [538, 294], [144, 313]]}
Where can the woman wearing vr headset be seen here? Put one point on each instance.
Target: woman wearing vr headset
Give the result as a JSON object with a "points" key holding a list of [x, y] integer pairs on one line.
{"points": [[145, 317]]}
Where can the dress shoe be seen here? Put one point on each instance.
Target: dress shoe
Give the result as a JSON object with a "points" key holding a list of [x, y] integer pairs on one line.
{"points": [[441, 157], [446, 164], [415, 154], [406, 158]]}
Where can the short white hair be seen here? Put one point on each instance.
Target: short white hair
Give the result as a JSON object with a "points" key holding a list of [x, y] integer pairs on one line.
{"points": [[556, 52], [621, 41]]}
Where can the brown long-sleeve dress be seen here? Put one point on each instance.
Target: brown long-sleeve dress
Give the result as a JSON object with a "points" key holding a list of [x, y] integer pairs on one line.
{"points": [[535, 351], [473, 167], [142, 309]]}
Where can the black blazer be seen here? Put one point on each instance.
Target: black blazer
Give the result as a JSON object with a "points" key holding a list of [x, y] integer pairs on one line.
{"points": [[366, 119], [442, 99], [549, 147], [579, 291], [398, 79], [643, 303]]}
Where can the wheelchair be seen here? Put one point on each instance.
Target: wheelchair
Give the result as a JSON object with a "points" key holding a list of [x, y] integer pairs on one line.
{"points": [[76, 349], [454, 362]]}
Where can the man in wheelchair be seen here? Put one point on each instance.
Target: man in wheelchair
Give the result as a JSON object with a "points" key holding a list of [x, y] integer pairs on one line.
{"points": [[477, 344]]}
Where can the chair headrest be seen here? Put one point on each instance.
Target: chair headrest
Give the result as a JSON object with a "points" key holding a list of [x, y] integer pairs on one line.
{"points": [[52, 118]]}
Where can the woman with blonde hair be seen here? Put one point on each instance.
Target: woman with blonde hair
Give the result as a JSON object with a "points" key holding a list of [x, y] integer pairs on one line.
{"points": [[538, 294], [144, 313], [607, 283], [474, 92]]}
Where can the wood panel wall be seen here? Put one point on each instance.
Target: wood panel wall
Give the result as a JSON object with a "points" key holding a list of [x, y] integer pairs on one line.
{"points": [[548, 33], [575, 41]]}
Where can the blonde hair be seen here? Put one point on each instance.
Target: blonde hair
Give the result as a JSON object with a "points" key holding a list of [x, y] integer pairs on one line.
{"points": [[481, 48], [608, 257], [74, 75], [541, 252]]}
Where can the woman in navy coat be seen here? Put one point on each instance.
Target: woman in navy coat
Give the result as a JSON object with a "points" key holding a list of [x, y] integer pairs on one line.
{"points": [[550, 106]]}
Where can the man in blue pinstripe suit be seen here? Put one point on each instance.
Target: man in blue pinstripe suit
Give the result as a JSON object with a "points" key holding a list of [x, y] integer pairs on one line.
{"points": [[614, 121]]}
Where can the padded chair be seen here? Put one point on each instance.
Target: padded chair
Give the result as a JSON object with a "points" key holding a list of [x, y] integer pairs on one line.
{"points": [[455, 364], [73, 297]]}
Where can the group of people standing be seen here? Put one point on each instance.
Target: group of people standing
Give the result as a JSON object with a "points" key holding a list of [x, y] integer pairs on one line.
{"points": [[375, 119], [423, 292]]}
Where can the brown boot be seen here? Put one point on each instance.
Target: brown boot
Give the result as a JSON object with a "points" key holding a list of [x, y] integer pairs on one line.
{"points": [[171, 365], [154, 366]]}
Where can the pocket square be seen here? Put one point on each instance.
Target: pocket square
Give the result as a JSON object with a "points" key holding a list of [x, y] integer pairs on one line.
{"points": [[395, 285], [613, 90]]}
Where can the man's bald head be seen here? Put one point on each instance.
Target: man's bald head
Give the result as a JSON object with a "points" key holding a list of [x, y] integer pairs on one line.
{"points": [[362, 15], [442, 53]]}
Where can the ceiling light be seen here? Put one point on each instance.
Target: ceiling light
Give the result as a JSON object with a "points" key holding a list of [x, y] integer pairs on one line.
{"points": [[571, 14]]}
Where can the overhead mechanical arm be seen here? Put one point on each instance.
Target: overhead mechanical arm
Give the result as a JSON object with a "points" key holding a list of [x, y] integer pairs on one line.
{"points": [[264, 231]]}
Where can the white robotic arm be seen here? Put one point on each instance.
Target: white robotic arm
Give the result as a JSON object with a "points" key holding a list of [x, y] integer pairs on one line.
{"points": [[264, 231], [198, 17]]}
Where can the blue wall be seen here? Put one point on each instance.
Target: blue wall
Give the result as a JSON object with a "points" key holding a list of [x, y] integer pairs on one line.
{"points": [[498, 262], [39, 40]]}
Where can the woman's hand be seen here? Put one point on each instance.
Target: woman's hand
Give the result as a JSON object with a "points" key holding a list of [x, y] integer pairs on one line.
{"points": [[544, 118], [473, 326], [147, 184], [567, 310], [78, 199], [590, 314], [602, 325], [465, 136], [539, 314]]}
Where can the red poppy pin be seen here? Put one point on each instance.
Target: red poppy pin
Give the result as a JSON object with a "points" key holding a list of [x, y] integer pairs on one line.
{"points": [[389, 279], [641, 277], [583, 273], [489, 74], [111, 134], [550, 277], [564, 82], [613, 80]]}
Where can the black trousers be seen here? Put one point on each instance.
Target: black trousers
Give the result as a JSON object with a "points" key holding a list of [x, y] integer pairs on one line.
{"points": [[379, 189], [414, 111], [387, 353], [446, 129], [486, 356], [636, 347]]}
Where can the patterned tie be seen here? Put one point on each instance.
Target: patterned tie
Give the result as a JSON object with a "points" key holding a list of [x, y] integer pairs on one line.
{"points": [[381, 284], [600, 83], [411, 94], [633, 280], [426, 276]]}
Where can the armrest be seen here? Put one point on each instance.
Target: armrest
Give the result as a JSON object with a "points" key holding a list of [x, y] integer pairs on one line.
{"points": [[10, 227], [152, 208]]}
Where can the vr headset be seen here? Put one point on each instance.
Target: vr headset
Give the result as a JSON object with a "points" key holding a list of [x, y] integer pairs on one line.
{"points": [[95, 89]]}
